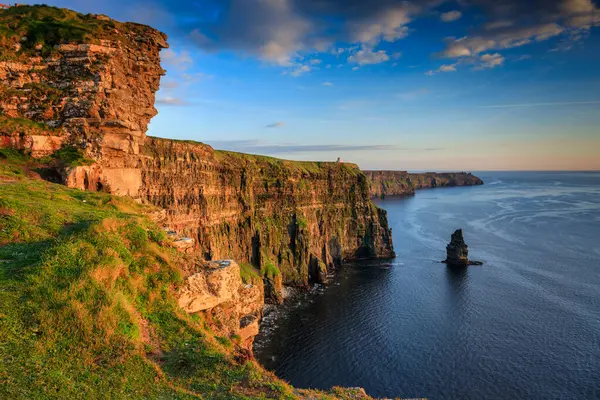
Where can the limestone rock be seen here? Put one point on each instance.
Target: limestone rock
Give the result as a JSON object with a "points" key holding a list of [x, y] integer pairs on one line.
{"points": [[230, 307], [216, 283]]}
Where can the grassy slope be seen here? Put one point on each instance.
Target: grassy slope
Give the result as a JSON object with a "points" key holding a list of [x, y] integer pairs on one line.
{"points": [[87, 307], [48, 26]]}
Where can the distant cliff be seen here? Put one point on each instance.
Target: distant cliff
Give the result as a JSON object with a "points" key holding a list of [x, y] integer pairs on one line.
{"points": [[402, 183]]}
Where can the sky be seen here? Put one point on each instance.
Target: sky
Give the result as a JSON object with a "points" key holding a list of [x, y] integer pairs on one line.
{"points": [[403, 85]]}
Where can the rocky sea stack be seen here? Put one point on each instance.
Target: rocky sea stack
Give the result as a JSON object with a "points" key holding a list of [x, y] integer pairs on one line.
{"points": [[457, 251]]}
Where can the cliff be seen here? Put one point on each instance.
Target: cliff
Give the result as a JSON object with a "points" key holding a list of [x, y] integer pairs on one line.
{"points": [[97, 301], [77, 93], [87, 83], [402, 183], [73, 79]]}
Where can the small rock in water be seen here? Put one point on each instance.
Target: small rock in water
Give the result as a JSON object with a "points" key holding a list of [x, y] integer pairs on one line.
{"points": [[457, 251]]}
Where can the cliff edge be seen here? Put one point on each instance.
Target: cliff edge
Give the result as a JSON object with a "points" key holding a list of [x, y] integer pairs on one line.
{"points": [[403, 183], [86, 84]]}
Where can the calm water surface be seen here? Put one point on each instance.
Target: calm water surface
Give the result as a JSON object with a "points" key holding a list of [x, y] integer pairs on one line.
{"points": [[525, 325]]}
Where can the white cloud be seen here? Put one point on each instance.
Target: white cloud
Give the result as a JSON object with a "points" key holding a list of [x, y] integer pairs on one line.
{"points": [[516, 23], [451, 16], [300, 70], [490, 61], [443, 68], [314, 61], [472, 46], [272, 30], [367, 56], [388, 24], [447, 68], [179, 60], [327, 84]]}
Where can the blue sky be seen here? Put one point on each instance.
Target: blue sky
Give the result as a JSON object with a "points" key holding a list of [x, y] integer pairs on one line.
{"points": [[421, 85]]}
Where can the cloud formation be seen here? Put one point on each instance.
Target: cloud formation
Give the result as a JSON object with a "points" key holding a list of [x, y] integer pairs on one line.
{"points": [[284, 32], [443, 68], [278, 31], [366, 56], [451, 16], [491, 60], [515, 23], [276, 125]]}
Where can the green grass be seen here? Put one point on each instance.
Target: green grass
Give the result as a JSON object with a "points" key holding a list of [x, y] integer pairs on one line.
{"points": [[48, 26], [249, 274], [68, 156], [22, 126], [269, 270], [87, 307], [87, 304]]}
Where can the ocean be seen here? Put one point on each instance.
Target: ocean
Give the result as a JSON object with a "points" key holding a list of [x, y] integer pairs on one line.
{"points": [[526, 324]]}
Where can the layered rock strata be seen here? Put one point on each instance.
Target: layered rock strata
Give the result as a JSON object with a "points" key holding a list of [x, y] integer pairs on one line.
{"points": [[87, 81], [402, 183], [91, 88]]}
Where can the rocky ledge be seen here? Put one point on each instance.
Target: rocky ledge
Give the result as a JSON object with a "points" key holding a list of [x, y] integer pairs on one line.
{"points": [[403, 183]]}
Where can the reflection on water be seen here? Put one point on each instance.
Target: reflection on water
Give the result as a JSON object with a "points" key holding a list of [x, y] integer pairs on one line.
{"points": [[524, 325]]}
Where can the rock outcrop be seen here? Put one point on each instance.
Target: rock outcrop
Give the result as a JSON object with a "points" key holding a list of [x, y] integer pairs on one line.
{"points": [[231, 307], [457, 251], [87, 81], [402, 183]]}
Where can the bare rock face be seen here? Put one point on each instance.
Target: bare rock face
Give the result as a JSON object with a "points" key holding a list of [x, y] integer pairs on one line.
{"points": [[216, 290], [457, 251], [303, 217], [94, 91]]}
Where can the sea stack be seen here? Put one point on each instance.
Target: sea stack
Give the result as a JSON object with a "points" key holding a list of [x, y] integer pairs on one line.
{"points": [[457, 251]]}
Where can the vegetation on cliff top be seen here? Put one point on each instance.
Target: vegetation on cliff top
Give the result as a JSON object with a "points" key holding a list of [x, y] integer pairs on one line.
{"points": [[25, 127], [272, 165], [87, 306], [41, 27]]}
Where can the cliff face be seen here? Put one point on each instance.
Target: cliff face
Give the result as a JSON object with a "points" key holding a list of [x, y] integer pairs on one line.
{"points": [[402, 183], [297, 216], [85, 80], [90, 86]]}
